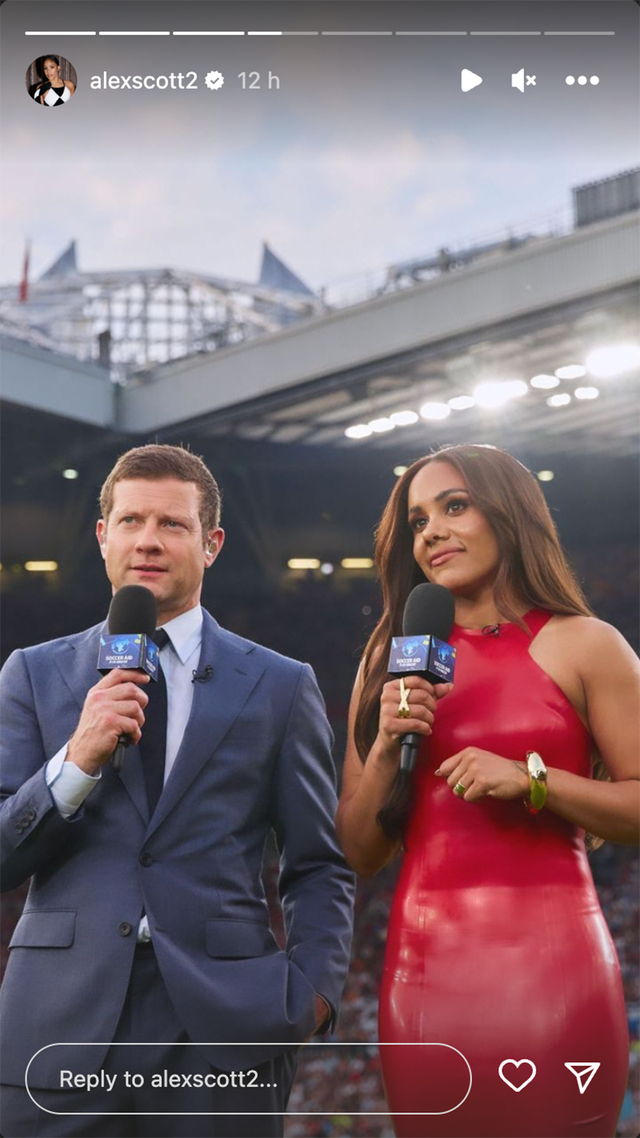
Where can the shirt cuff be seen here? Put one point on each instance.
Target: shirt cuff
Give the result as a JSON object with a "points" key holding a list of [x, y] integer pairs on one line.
{"points": [[327, 1023], [68, 784]]}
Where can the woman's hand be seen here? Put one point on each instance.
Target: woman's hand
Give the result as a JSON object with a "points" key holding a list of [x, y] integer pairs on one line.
{"points": [[485, 775], [422, 699]]}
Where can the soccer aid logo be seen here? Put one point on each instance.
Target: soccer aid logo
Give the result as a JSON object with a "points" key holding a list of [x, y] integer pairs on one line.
{"points": [[444, 652], [120, 645], [411, 648]]}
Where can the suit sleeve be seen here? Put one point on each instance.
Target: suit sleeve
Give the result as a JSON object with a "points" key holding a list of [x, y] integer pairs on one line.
{"points": [[316, 886], [32, 830]]}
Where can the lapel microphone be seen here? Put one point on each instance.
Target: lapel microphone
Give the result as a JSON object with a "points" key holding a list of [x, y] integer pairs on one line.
{"points": [[204, 677]]}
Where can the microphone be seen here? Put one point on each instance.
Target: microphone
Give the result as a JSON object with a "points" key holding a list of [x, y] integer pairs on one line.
{"points": [[204, 677], [423, 650], [132, 607]]}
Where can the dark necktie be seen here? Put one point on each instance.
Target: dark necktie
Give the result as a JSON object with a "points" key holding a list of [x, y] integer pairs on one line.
{"points": [[153, 744]]}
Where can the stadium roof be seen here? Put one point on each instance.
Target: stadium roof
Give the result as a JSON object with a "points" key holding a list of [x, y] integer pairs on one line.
{"points": [[529, 310]]}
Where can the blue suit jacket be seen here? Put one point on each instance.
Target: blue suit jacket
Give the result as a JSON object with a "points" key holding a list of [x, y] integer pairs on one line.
{"points": [[256, 756]]}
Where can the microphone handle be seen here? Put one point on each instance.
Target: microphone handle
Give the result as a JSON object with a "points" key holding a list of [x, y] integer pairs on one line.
{"points": [[410, 745], [117, 758]]}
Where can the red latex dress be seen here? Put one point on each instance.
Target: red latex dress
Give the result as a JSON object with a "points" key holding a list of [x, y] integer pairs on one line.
{"points": [[497, 946]]}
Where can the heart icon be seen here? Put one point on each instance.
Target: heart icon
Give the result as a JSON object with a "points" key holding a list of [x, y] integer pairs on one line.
{"points": [[516, 1063]]}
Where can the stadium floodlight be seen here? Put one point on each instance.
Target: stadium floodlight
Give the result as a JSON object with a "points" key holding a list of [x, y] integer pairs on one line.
{"points": [[461, 402], [559, 400], [544, 381], [571, 371], [586, 393], [498, 393], [403, 418], [379, 426], [607, 363], [545, 476], [357, 563], [41, 566], [303, 563], [326, 568], [70, 474], [359, 431], [435, 411], [398, 470], [516, 388]]}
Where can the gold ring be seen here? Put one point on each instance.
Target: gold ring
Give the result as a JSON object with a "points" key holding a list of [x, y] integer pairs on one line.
{"points": [[404, 711], [460, 789]]}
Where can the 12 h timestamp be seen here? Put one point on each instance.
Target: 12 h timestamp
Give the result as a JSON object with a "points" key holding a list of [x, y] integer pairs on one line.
{"points": [[253, 81]]}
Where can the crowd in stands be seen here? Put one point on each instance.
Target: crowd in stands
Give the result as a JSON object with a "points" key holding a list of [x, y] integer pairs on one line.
{"points": [[327, 623]]}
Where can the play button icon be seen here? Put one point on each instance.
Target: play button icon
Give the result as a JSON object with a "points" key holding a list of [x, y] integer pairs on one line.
{"points": [[469, 80]]}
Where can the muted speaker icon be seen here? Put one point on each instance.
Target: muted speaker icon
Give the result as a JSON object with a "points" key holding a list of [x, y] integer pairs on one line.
{"points": [[520, 80], [517, 80]]}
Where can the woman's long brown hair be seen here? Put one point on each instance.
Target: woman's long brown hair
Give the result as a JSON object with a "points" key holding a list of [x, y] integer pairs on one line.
{"points": [[533, 570]]}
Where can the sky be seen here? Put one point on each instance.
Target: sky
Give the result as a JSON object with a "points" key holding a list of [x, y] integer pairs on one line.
{"points": [[368, 153]]}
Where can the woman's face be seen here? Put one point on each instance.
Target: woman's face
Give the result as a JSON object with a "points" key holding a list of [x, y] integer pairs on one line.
{"points": [[51, 70], [453, 542]]}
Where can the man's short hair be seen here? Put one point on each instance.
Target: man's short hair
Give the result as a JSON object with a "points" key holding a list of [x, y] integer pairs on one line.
{"points": [[159, 460]]}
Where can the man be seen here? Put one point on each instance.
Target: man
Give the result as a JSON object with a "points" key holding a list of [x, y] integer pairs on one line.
{"points": [[146, 921]]}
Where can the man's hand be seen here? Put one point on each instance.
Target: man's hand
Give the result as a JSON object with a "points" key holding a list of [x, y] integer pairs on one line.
{"points": [[113, 707], [323, 1011]]}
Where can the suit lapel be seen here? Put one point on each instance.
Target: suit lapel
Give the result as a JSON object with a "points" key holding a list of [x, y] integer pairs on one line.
{"points": [[77, 662], [216, 705]]}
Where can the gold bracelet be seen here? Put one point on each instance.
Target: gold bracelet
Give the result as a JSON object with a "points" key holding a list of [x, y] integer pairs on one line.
{"points": [[537, 782]]}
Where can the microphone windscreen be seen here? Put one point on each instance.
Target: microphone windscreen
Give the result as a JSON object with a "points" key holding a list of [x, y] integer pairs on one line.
{"points": [[133, 609], [429, 610]]}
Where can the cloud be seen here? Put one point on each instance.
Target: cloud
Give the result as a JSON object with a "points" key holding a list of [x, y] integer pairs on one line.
{"points": [[331, 207]]}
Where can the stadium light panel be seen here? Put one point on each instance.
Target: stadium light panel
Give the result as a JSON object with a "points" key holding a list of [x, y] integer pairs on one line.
{"points": [[41, 566], [403, 418], [435, 411], [607, 363], [559, 400], [571, 371], [586, 393], [461, 402], [544, 381], [498, 393], [303, 563]]}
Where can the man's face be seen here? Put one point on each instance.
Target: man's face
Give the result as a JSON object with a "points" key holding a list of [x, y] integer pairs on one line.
{"points": [[154, 537]]}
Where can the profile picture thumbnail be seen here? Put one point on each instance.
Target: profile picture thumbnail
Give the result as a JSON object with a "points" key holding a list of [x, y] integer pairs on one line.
{"points": [[51, 80]]}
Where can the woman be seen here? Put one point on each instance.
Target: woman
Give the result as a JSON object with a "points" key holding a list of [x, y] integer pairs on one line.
{"points": [[497, 947], [55, 90]]}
